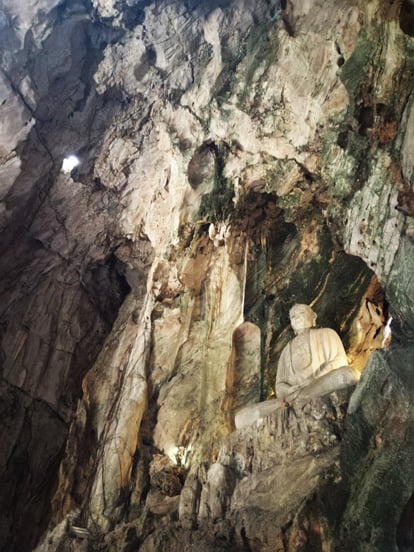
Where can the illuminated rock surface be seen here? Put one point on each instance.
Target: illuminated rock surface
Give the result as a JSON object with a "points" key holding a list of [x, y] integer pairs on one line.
{"points": [[236, 157]]}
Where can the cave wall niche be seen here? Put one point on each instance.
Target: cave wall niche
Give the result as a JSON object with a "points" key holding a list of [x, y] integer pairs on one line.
{"points": [[289, 265], [355, 308]]}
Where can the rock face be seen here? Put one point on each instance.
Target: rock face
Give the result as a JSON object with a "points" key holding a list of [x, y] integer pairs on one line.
{"points": [[379, 440], [236, 157], [33, 437], [248, 497]]}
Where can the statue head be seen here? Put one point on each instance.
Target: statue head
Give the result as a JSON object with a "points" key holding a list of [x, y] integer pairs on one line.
{"points": [[302, 317]]}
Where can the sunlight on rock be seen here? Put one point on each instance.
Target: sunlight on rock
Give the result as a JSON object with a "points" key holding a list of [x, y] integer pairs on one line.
{"points": [[179, 455], [69, 163]]}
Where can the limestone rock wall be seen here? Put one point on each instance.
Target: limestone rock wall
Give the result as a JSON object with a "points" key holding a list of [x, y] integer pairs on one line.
{"points": [[235, 158]]}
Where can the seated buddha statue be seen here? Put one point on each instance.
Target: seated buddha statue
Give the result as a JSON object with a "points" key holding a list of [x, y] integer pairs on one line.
{"points": [[312, 364]]}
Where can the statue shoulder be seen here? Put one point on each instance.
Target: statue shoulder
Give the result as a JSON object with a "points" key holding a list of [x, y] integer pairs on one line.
{"points": [[329, 341], [325, 333]]}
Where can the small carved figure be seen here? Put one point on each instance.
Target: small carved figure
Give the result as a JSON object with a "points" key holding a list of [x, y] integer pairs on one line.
{"points": [[312, 364]]}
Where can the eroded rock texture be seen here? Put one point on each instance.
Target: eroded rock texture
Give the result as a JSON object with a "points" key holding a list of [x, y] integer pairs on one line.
{"points": [[236, 157]]}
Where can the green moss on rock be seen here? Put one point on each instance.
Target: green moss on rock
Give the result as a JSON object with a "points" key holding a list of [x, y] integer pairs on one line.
{"points": [[354, 70]]}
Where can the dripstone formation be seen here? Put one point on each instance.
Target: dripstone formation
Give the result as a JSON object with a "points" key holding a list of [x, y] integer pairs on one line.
{"points": [[235, 158]]}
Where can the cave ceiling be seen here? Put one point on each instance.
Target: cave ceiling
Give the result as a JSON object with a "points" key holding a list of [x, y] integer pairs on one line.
{"points": [[231, 158]]}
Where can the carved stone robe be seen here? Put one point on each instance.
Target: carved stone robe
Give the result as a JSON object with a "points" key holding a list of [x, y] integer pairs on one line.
{"points": [[309, 355]]}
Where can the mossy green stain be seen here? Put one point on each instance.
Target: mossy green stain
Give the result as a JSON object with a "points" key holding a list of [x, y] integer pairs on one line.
{"points": [[355, 68], [217, 205], [259, 55]]}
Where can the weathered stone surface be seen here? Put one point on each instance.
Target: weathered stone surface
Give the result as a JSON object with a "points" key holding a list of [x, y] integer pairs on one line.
{"points": [[236, 157], [28, 465], [377, 452], [264, 473]]}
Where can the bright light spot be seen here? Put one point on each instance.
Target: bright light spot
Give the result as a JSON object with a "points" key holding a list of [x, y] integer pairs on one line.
{"points": [[69, 163], [173, 454], [387, 332], [179, 455]]}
